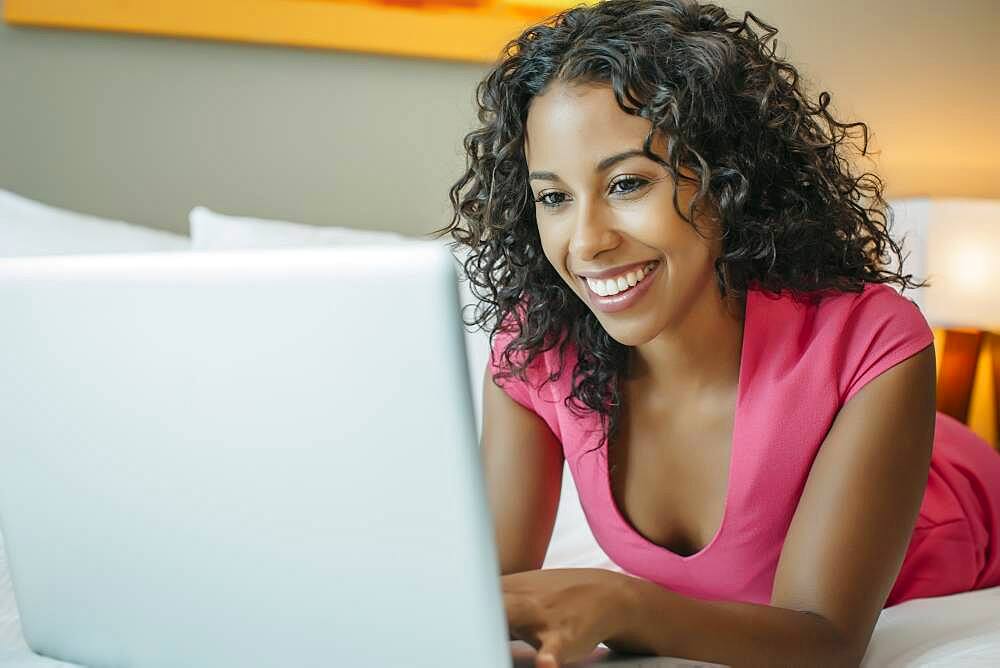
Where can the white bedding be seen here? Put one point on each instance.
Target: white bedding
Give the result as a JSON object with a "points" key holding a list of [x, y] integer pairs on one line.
{"points": [[958, 630]]}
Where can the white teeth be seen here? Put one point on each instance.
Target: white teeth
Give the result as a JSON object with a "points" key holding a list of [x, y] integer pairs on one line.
{"points": [[613, 286]]}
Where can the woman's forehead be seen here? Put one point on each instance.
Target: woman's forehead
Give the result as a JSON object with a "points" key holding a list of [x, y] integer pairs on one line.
{"points": [[574, 122]]}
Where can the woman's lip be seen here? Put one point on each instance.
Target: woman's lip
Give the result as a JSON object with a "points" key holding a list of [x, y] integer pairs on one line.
{"points": [[622, 300]]}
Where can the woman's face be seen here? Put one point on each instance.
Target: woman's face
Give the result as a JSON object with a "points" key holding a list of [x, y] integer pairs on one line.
{"points": [[601, 204]]}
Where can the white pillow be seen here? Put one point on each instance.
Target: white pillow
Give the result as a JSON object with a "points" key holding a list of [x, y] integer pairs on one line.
{"points": [[572, 543], [215, 231], [28, 227]]}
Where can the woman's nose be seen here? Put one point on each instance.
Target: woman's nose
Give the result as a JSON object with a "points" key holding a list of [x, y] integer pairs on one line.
{"points": [[593, 232]]}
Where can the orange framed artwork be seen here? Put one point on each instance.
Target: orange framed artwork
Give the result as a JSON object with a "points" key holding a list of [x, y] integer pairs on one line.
{"points": [[467, 30]]}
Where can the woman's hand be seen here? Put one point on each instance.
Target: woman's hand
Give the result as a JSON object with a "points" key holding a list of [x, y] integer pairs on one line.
{"points": [[564, 613]]}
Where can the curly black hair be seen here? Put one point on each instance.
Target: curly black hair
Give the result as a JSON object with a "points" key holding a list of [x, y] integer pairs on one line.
{"points": [[773, 167]]}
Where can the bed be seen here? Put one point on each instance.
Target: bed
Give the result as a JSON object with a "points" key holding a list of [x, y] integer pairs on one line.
{"points": [[962, 629]]}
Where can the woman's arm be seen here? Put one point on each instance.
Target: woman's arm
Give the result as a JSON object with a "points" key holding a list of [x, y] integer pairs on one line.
{"points": [[842, 554], [523, 464]]}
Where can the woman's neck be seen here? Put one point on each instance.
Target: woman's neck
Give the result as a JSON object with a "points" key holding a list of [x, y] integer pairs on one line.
{"points": [[697, 355]]}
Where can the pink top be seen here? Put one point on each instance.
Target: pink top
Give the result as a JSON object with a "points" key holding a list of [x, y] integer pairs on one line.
{"points": [[824, 352]]}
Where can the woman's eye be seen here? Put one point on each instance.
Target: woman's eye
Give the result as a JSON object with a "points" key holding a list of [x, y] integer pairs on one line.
{"points": [[546, 199], [628, 184]]}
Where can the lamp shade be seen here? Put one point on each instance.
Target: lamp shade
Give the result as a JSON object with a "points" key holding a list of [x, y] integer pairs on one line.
{"points": [[955, 245]]}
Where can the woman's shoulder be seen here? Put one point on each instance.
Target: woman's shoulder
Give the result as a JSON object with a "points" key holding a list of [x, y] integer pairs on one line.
{"points": [[833, 311], [879, 296], [877, 312], [844, 337]]}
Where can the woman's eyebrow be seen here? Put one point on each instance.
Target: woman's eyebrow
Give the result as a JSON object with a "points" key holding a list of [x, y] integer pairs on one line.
{"points": [[543, 176], [604, 164], [618, 157]]}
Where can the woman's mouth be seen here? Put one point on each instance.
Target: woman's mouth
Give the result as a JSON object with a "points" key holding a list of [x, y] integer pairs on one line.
{"points": [[621, 292]]}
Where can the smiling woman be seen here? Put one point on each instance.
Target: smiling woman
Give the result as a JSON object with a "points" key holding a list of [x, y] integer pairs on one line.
{"points": [[685, 280], [592, 197]]}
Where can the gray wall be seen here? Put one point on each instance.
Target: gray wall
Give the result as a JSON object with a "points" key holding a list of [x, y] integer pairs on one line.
{"points": [[143, 128]]}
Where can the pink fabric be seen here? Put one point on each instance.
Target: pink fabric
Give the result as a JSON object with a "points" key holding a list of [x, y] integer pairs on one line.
{"points": [[792, 351]]}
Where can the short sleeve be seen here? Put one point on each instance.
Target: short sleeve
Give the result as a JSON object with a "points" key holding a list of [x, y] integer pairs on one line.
{"points": [[881, 330], [517, 389]]}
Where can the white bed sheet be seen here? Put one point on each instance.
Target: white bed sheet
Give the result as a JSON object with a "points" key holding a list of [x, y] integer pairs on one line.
{"points": [[957, 630], [10, 624]]}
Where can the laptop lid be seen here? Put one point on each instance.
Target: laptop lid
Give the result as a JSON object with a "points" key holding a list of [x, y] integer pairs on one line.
{"points": [[258, 458]]}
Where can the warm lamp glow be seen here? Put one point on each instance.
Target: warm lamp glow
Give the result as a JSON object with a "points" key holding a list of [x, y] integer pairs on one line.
{"points": [[955, 245], [967, 268]]}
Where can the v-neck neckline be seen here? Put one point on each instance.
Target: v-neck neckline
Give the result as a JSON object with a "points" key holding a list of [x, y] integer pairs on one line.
{"points": [[619, 516]]}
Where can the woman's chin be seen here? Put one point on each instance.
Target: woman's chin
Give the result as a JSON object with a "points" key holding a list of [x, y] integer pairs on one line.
{"points": [[627, 334]]}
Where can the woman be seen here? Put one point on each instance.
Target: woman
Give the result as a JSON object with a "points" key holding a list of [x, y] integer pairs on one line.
{"points": [[695, 315]]}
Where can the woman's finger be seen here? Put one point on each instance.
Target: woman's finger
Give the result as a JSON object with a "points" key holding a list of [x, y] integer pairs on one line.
{"points": [[546, 661], [549, 654]]}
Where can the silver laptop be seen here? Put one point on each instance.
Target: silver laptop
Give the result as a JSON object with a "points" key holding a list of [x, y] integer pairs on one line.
{"points": [[249, 458]]}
